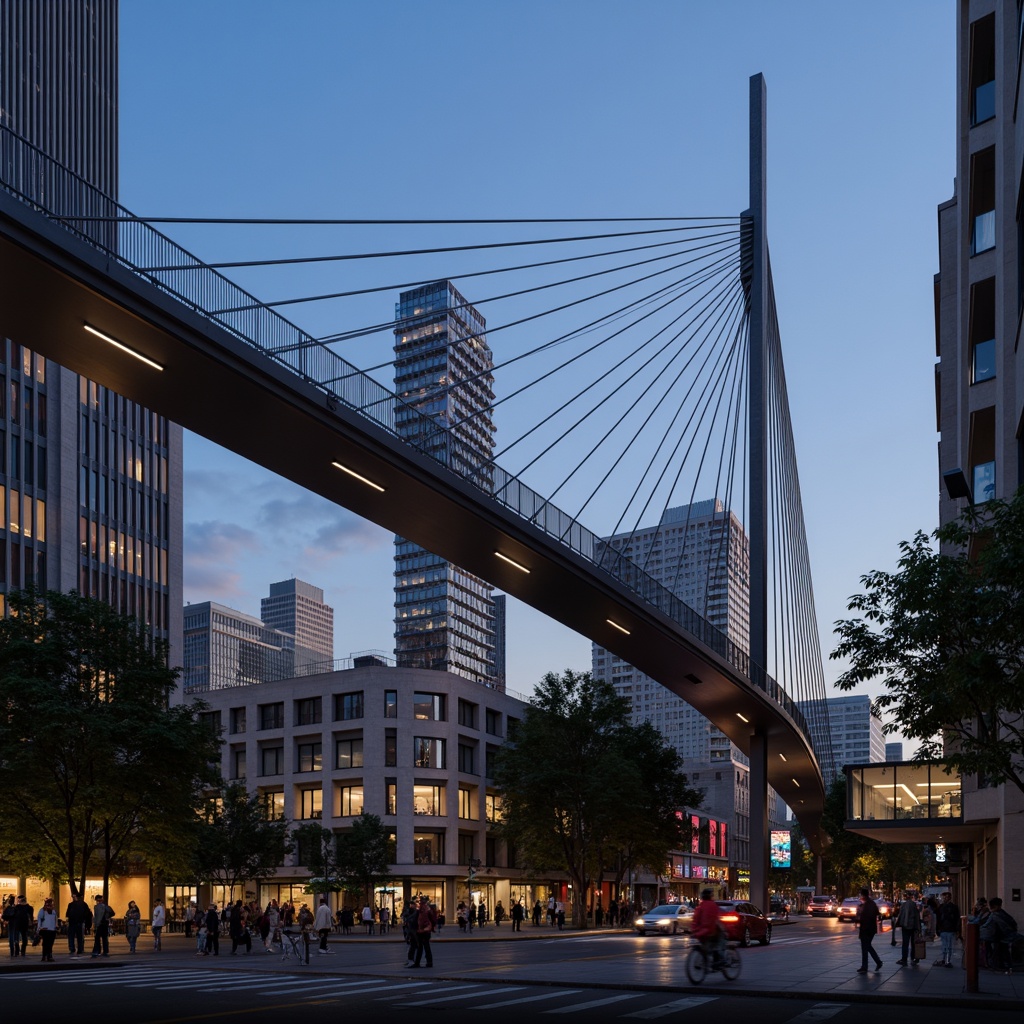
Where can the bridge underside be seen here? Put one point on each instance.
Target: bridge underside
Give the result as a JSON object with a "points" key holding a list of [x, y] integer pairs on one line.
{"points": [[216, 386]]}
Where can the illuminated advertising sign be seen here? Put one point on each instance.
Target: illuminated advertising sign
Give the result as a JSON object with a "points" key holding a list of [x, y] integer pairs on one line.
{"points": [[781, 849]]}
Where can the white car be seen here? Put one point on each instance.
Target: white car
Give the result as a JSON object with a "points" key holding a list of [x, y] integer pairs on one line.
{"points": [[668, 919]]}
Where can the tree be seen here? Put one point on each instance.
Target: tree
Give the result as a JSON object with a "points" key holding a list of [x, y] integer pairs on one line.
{"points": [[365, 853], [237, 842], [318, 850], [945, 635], [582, 788], [96, 767]]}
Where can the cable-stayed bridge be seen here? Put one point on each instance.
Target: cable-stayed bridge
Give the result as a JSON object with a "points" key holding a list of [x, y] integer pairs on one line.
{"points": [[660, 385]]}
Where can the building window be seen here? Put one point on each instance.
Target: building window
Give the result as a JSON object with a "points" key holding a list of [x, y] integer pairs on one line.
{"points": [[238, 763], [467, 714], [493, 722], [308, 711], [466, 848], [311, 804], [983, 330], [467, 760], [348, 753], [428, 752], [390, 703], [427, 798], [310, 757], [491, 852], [271, 716], [983, 200], [466, 803], [492, 803], [390, 748], [351, 802], [273, 805], [210, 720], [983, 455], [983, 70], [428, 707], [428, 848], [272, 761], [348, 706], [391, 796], [237, 721]]}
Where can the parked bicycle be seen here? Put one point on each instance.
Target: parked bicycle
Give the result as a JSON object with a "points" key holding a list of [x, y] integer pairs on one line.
{"points": [[701, 962]]}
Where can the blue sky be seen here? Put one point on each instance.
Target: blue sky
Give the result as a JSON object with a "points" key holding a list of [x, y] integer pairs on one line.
{"points": [[450, 109]]}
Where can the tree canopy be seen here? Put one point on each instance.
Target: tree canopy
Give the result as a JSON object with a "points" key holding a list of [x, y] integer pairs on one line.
{"points": [[585, 791], [945, 636], [96, 767], [364, 855]]}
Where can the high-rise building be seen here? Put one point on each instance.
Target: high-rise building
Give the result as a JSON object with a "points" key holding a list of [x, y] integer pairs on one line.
{"points": [[894, 751], [855, 729], [700, 552], [444, 616], [298, 608], [500, 634], [979, 377], [90, 482]]}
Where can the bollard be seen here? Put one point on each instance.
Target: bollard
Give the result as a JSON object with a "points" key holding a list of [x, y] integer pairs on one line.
{"points": [[969, 930]]}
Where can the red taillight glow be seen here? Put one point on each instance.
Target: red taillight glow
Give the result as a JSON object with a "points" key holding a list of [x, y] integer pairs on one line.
{"points": [[730, 918]]}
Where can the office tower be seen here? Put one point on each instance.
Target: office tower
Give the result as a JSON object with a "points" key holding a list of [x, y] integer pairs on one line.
{"points": [[894, 751], [500, 634], [444, 616], [225, 647], [298, 608], [855, 728], [699, 552], [979, 377], [90, 482]]}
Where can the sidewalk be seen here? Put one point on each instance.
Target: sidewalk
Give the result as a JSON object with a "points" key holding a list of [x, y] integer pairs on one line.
{"points": [[797, 964]]}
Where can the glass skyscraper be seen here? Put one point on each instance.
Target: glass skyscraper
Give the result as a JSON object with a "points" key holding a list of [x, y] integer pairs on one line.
{"points": [[444, 616], [90, 483]]}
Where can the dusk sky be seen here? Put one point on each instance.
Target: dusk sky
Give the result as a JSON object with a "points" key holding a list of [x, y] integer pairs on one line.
{"points": [[449, 109]]}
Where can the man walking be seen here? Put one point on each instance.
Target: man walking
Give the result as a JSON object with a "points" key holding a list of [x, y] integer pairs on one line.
{"points": [[867, 929], [322, 923], [948, 924], [79, 917], [159, 920], [909, 920]]}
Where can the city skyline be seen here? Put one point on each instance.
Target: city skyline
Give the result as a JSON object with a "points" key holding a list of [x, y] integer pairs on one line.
{"points": [[853, 244]]}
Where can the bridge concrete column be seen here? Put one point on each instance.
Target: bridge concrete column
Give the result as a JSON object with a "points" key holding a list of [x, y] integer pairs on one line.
{"points": [[760, 826]]}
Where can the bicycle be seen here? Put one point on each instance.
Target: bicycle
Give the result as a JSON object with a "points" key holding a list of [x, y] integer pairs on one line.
{"points": [[701, 962]]}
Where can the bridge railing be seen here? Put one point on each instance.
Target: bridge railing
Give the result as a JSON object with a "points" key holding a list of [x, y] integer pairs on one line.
{"points": [[67, 199]]}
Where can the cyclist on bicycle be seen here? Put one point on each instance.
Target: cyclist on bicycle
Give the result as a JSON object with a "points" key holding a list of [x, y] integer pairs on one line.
{"points": [[706, 926]]}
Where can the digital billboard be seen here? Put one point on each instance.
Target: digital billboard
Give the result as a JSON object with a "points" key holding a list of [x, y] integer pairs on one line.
{"points": [[781, 849]]}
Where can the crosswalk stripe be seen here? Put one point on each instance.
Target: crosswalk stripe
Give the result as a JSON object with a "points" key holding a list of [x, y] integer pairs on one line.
{"points": [[444, 995], [577, 1007], [653, 1012], [449, 988], [820, 1011], [529, 999]]}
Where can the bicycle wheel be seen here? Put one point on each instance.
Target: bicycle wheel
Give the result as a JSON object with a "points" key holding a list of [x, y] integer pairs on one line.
{"points": [[731, 967], [696, 965]]}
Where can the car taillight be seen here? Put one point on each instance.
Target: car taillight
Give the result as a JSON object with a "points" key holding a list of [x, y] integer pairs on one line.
{"points": [[730, 918]]}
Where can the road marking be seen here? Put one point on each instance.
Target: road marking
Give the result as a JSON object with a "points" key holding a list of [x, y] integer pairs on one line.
{"points": [[453, 988], [528, 999], [440, 996], [577, 1007], [665, 1008], [820, 1011]]}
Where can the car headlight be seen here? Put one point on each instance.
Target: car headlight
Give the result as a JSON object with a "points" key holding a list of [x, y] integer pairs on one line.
{"points": [[639, 923]]}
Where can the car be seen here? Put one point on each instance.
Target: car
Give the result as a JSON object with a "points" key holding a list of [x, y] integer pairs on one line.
{"points": [[849, 908], [743, 922], [668, 919], [823, 906], [884, 909]]}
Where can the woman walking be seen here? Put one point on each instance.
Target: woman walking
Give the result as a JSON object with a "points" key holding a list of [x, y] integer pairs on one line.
{"points": [[132, 924]]}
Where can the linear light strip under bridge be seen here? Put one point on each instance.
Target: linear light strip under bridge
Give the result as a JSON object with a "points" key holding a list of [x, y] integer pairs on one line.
{"points": [[123, 347]]}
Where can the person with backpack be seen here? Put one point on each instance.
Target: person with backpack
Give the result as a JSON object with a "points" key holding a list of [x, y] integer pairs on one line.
{"points": [[998, 932]]}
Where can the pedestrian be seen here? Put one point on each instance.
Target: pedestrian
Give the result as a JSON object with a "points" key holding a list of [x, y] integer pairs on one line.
{"points": [[132, 925], [102, 914], [552, 911], [867, 929], [518, 913], [305, 921], [613, 913], [947, 922], [536, 913], [409, 914], [238, 928], [598, 914], [157, 924], [481, 914], [998, 932], [212, 931], [46, 929], [499, 914], [79, 917], [928, 909], [367, 917], [8, 918], [347, 920], [426, 919], [322, 923], [560, 914], [909, 921], [23, 919]]}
